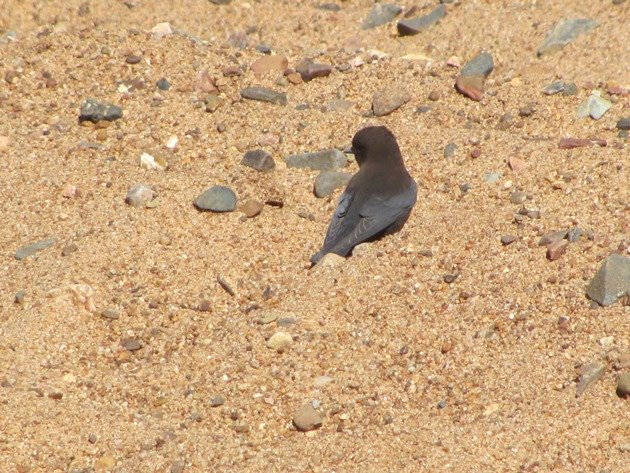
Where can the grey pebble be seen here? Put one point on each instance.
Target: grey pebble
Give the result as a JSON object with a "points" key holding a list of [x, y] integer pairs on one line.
{"points": [[139, 195], [564, 32], [216, 199], [574, 234], [19, 296], [217, 401], [69, 249], [423, 109], [110, 313], [328, 7], [570, 89], [479, 66], [388, 99], [326, 160], [491, 177], [623, 123], [553, 237], [623, 385], [310, 70], [589, 373], [450, 150], [306, 418], [163, 84], [413, 26], [380, 14], [130, 344], [508, 239], [329, 181], [595, 106], [611, 281], [518, 197], [554, 88], [450, 278], [96, 111], [465, 187], [259, 160], [263, 94], [33, 248]]}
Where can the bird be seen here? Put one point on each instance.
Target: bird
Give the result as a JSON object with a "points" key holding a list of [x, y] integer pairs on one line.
{"points": [[377, 200]]}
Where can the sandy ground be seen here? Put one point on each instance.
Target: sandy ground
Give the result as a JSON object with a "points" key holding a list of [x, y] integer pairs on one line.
{"points": [[420, 375]]}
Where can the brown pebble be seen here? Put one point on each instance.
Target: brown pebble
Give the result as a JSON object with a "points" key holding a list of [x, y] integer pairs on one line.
{"points": [[556, 249], [131, 344], [434, 95], [56, 395], [232, 71], [570, 143], [133, 59], [101, 135], [470, 86], [251, 208], [306, 418], [204, 306], [294, 78], [508, 239], [475, 153], [516, 164]]}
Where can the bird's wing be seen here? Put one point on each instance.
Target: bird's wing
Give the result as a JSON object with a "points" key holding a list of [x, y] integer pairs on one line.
{"points": [[374, 216]]}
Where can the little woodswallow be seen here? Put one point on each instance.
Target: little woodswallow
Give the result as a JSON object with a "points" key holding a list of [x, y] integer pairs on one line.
{"points": [[378, 198]]}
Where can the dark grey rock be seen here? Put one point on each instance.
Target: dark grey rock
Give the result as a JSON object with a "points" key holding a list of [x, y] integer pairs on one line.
{"points": [[216, 199], [450, 150], [564, 32], [33, 248], [263, 48], [310, 70], [624, 123], [574, 234], [329, 181], [479, 66], [329, 7], [220, 2], [570, 89], [611, 281], [413, 26], [380, 14], [163, 84], [263, 94], [96, 111], [259, 160], [465, 187], [327, 160]]}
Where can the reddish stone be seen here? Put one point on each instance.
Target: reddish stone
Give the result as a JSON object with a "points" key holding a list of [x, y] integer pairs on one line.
{"points": [[470, 86], [570, 143]]}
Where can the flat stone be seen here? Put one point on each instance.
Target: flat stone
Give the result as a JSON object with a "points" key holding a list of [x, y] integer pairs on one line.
{"points": [[479, 66], [217, 400], [518, 197], [110, 313], [508, 239], [450, 150], [470, 86], [329, 181], [306, 419], [213, 103], [589, 373], [327, 160], [216, 199], [553, 237], [574, 234], [381, 14], [271, 63], [624, 123], [139, 195], [162, 29], [329, 7], [388, 99], [594, 106], [30, 250], [570, 143], [563, 33], [413, 26], [94, 111], [611, 281], [516, 164], [556, 249], [259, 160], [554, 88], [130, 344], [623, 385], [310, 70], [251, 208], [263, 94], [280, 341]]}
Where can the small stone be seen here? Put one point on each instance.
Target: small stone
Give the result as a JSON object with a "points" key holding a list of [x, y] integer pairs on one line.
{"points": [[491, 177], [267, 318], [329, 7], [322, 381], [263, 94], [552, 237], [564, 32], [105, 463], [205, 84], [554, 88], [92, 438], [216, 199], [611, 281], [470, 86], [251, 208], [294, 78], [130, 344], [574, 234], [556, 249], [329, 181], [280, 341], [508, 239], [388, 99], [465, 187], [94, 111], [423, 109], [204, 306], [434, 95], [19, 296], [450, 150], [310, 70], [259, 160], [475, 153], [271, 63], [413, 26], [479, 66], [133, 59], [624, 123], [450, 278], [213, 103], [56, 395], [589, 373], [162, 29], [153, 163], [240, 426], [594, 106], [110, 313], [623, 385], [139, 195], [570, 143], [570, 89], [217, 400], [516, 164], [381, 14], [327, 160], [527, 110], [33, 248], [518, 197], [232, 71], [306, 419], [178, 466]]}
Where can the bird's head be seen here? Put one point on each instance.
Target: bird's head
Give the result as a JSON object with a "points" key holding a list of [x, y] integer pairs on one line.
{"points": [[374, 143]]}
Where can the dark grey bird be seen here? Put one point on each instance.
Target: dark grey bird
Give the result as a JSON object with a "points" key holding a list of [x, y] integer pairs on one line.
{"points": [[378, 198]]}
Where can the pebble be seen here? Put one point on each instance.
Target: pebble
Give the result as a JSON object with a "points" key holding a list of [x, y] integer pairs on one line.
{"points": [[306, 418], [491, 177], [328, 181], [280, 341], [516, 164], [434, 95], [518, 197], [251, 208], [554, 88], [152, 163], [204, 84], [225, 284], [241, 427], [574, 234], [163, 84], [263, 94], [139, 195], [259, 160], [473, 75], [450, 150], [570, 89], [329, 7], [611, 281], [508, 239], [110, 313], [450, 278], [130, 344], [563, 33], [94, 111], [381, 14], [133, 59], [216, 199], [264, 48], [327, 160], [178, 466], [624, 123], [413, 26], [589, 373], [217, 400], [623, 385], [423, 109], [213, 103], [595, 106], [570, 143], [309, 70], [19, 296], [552, 237], [556, 249], [321, 381], [232, 71], [271, 63], [527, 110], [162, 29], [33, 248], [388, 99]]}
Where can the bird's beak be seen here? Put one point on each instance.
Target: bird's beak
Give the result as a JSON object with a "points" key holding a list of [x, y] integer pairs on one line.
{"points": [[349, 150]]}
